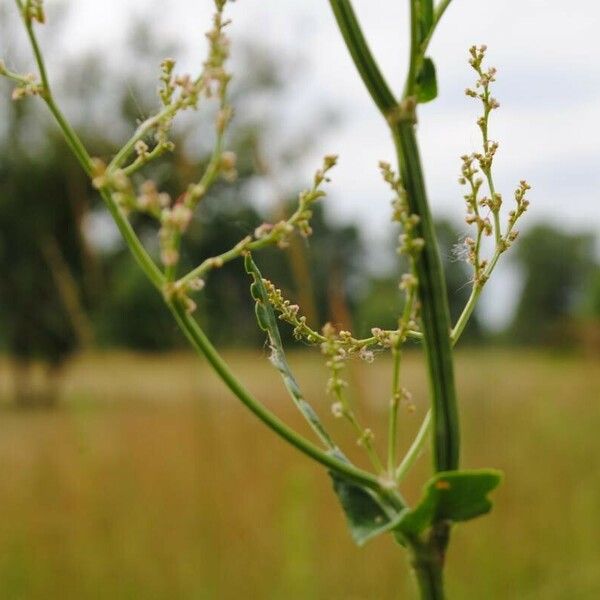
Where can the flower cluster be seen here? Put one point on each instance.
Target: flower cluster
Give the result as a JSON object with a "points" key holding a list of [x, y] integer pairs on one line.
{"points": [[477, 168], [301, 219], [410, 244], [28, 86], [33, 10]]}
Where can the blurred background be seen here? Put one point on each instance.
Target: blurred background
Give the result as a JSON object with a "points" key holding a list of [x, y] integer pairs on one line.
{"points": [[129, 472]]}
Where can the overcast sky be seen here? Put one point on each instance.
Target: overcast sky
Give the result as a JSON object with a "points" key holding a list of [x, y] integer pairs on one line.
{"points": [[548, 86]]}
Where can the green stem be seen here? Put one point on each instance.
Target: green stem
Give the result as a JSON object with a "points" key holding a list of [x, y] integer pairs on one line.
{"points": [[432, 288], [208, 178], [488, 171], [463, 320], [394, 405], [203, 345], [396, 390], [415, 449], [438, 13], [428, 569], [416, 55], [362, 57], [440, 9], [136, 247], [435, 315]]}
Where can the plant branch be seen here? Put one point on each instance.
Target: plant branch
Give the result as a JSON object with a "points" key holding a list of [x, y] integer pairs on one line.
{"points": [[362, 57], [415, 449], [203, 345], [439, 11]]}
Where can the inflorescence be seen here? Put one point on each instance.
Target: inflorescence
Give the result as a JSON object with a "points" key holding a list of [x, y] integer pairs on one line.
{"points": [[476, 169], [180, 92]]}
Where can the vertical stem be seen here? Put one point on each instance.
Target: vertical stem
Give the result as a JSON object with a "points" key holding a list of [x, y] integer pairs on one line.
{"points": [[415, 449], [429, 579], [394, 404], [428, 557], [427, 561], [435, 314], [432, 287]]}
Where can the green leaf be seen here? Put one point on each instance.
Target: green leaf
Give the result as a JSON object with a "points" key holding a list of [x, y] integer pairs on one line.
{"points": [[451, 496], [365, 512], [267, 321], [427, 89]]}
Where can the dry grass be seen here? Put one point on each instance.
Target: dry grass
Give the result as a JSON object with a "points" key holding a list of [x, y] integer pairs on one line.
{"points": [[151, 482]]}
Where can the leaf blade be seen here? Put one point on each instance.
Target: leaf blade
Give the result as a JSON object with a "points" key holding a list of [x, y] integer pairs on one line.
{"points": [[427, 88], [451, 496], [366, 515]]}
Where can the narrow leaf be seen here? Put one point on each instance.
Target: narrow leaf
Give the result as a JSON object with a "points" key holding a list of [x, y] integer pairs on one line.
{"points": [[451, 496], [427, 88], [267, 321]]}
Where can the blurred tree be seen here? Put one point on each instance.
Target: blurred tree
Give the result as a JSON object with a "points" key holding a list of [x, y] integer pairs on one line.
{"points": [[592, 294], [556, 267], [43, 259]]}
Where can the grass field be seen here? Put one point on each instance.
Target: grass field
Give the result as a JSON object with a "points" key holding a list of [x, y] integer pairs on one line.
{"points": [[151, 482]]}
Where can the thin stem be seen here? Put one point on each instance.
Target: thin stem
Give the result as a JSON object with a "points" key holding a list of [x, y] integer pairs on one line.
{"points": [[36, 48], [428, 569], [396, 390], [141, 162], [434, 306], [16, 77], [362, 57], [410, 458], [69, 134], [488, 171], [364, 434], [203, 345], [463, 320], [438, 13], [416, 54], [394, 405], [132, 240], [208, 178], [142, 130]]}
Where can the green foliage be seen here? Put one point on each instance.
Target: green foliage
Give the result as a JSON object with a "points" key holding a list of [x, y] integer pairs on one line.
{"points": [[42, 200], [450, 496], [122, 316], [427, 89], [365, 515], [592, 294]]}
